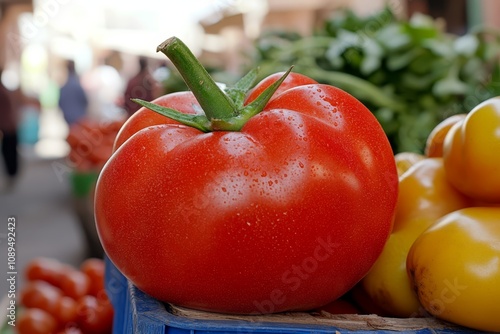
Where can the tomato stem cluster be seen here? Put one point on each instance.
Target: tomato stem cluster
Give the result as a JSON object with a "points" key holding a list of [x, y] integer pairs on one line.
{"points": [[223, 110]]}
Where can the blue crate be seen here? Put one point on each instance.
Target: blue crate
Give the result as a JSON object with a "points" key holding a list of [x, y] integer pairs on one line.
{"points": [[136, 312]]}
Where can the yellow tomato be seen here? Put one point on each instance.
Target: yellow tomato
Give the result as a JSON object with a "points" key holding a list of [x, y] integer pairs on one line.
{"points": [[424, 192], [404, 160], [387, 283], [425, 195], [471, 153], [455, 268], [435, 140]]}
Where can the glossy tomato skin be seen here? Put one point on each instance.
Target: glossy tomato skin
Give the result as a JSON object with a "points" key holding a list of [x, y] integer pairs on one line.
{"points": [[182, 101], [287, 214], [185, 102], [292, 80]]}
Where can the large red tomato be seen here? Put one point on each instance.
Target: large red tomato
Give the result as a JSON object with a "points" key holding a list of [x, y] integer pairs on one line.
{"points": [[288, 213]]}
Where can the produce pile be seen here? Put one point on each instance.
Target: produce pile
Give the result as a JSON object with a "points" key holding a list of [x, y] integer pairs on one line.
{"points": [[91, 143], [442, 258], [61, 299], [286, 195]]}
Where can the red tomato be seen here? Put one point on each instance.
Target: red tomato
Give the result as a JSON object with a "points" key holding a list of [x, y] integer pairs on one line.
{"points": [[292, 80], [65, 310], [94, 317], [40, 294], [36, 321], [286, 214], [94, 269], [186, 102], [142, 118], [45, 269], [75, 284]]}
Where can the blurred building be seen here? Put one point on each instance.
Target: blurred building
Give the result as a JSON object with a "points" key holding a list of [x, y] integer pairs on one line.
{"points": [[48, 31], [10, 38]]}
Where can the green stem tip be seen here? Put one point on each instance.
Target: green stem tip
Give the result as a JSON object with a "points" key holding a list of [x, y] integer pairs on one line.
{"points": [[211, 98]]}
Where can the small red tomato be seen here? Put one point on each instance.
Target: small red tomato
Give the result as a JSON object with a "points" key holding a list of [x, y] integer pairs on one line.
{"points": [[36, 321], [75, 284], [71, 330], [94, 317], [66, 310], [103, 299], [40, 294], [45, 269], [94, 269]]}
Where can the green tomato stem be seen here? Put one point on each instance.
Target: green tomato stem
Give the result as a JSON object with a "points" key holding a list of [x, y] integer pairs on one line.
{"points": [[238, 92], [199, 122], [214, 102], [250, 110], [223, 111]]}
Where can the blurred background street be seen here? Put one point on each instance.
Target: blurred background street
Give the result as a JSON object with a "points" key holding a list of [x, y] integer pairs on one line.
{"points": [[46, 222]]}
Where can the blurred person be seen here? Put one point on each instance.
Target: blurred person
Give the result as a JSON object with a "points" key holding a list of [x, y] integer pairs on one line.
{"points": [[73, 99], [142, 86], [9, 133], [29, 124], [104, 87]]}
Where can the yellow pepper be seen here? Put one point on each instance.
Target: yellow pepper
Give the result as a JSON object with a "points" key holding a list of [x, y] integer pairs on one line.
{"points": [[435, 140], [404, 160], [424, 196], [471, 152], [387, 283], [455, 268], [424, 192]]}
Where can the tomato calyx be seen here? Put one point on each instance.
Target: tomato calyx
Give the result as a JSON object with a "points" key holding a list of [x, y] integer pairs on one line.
{"points": [[223, 109]]}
